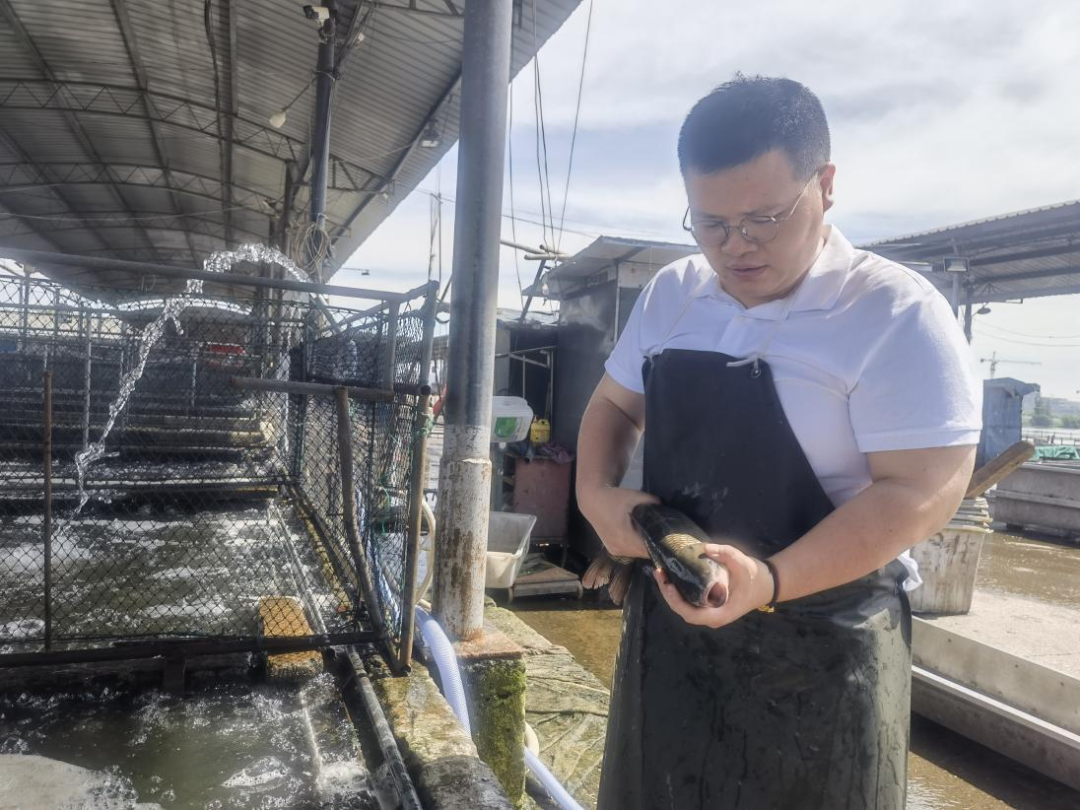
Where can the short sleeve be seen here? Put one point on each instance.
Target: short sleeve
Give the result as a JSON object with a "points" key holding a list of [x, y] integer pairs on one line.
{"points": [[917, 388], [626, 359]]}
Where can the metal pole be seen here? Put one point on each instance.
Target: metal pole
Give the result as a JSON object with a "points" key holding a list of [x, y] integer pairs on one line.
{"points": [[417, 477], [399, 773], [348, 504], [390, 349], [87, 320], [466, 467], [24, 303], [320, 142], [46, 524], [954, 299], [969, 313], [535, 286]]}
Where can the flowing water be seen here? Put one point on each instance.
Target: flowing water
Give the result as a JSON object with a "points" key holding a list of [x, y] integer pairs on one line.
{"points": [[946, 771], [171, 310], [234, 745]]}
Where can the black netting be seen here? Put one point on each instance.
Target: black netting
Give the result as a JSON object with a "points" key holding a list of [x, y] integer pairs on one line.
{"points": [[202, 510]]}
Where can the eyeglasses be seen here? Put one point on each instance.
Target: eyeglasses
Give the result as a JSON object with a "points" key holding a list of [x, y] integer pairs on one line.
{"points": [[714, 233]]}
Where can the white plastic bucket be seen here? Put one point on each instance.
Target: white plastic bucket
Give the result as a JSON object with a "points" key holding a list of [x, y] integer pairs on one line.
{"points": [[949, 561], [508, 541]]}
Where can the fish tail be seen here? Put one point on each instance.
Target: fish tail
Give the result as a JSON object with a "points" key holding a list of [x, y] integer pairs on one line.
{"points": [[599, 572], [619, 585]]}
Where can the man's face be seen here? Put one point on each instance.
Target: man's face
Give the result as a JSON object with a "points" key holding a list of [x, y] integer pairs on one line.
{"points": [[766, 186]]}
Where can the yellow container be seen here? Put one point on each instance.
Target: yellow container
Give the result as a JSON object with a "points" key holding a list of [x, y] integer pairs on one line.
{"points": [[540, 431]]}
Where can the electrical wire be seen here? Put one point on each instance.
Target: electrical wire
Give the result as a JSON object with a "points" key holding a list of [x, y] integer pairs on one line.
{"points": [[990, 336], [510, 167], [544, 176], [577, 116], [995, 327]]}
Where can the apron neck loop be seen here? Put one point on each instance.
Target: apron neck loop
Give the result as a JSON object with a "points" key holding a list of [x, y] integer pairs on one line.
{"points": [[755, 358]]}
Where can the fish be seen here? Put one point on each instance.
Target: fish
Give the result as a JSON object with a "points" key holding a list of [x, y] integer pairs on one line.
{"points": [[677, 546]]}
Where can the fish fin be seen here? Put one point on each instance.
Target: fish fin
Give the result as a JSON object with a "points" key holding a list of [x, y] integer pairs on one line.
{"points": [[619, 585], [599, 572]]}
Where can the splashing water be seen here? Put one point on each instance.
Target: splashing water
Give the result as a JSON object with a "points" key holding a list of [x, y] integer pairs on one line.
{"points": [[172, 309]]}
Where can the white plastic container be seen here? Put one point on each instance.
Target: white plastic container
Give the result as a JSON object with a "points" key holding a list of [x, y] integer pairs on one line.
{"points": [[508, 541], [510, 419], [949, 561]]}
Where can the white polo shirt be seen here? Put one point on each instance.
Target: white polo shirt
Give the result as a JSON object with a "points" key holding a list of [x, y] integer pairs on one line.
{"points": [[866, 356]]}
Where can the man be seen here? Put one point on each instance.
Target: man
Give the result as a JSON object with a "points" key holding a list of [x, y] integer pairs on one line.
{"points": [[811, 407]]}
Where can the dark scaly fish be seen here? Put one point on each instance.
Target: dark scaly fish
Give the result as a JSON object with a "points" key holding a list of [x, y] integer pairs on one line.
{"points": [[676, 544]]}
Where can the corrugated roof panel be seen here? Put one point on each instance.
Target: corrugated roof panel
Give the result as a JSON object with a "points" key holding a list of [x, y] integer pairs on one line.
{"points": [[88, 197], [170, 239], [147, 200], [258, 173], [119, 140], [13, 61], [271, 77], [78, 38], [44, 135], [388, 87], [172, 42]]}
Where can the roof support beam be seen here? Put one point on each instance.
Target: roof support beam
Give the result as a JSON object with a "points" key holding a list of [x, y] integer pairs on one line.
{"points": [[126, 102], [1040, 253], [118, 220], [1030, 275], [989, 295], [127, 33], [28, 176], [27, 42]]}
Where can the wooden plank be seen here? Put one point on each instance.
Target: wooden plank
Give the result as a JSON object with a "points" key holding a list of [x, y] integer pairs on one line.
{"points": [[998, 468], [283, 617]]}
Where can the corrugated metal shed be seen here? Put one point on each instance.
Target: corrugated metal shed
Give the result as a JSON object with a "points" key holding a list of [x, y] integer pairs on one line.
{"points": [[117, 140], [606, 255], [1027, 254]]}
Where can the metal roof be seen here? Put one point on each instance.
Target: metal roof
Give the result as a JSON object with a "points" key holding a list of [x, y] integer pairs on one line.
{"points": [[1026, 254], [120, 136], [605, 253]]}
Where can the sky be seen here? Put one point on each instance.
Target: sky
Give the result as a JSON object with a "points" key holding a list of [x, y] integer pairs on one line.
{"points": [[941, 112]]}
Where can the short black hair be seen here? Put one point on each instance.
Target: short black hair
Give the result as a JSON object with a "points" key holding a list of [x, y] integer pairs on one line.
{"points": [[750, 115]]}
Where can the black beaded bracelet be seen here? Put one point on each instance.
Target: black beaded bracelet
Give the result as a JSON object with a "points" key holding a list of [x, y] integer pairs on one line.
{"points": [[775, 581]]}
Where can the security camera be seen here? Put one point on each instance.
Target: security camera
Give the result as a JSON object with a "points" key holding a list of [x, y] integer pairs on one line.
{"points": [[318, 13]]}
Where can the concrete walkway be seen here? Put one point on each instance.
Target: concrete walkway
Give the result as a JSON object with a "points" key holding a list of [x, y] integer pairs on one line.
{"points": [[1027, 628]]}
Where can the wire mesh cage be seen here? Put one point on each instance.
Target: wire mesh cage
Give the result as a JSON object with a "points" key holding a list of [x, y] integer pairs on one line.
{"points": [[205, 471]]}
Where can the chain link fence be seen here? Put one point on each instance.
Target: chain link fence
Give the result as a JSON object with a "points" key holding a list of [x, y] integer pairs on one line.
{"points": [[172, 472]]}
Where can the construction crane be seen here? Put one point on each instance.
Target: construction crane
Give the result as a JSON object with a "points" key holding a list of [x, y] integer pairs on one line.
{"points": [[993, 360]]}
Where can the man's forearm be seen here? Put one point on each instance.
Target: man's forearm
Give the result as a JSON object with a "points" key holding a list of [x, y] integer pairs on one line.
{"points": [[861, 536], [606, 443]]}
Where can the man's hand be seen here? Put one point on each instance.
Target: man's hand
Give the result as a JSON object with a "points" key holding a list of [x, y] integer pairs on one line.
{"points": [[608, 510], [751, 586]]}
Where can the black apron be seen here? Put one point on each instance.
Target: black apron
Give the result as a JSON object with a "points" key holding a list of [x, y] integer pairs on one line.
{"points": [[807, 707]]}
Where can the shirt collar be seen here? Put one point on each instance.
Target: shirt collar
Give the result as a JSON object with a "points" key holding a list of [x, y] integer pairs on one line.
{"points": [[819, 290]]}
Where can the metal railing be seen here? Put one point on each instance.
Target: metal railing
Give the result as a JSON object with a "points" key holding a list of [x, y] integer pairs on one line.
{"points": [[199, 473]]}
